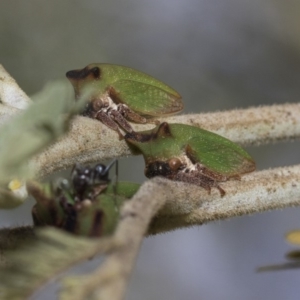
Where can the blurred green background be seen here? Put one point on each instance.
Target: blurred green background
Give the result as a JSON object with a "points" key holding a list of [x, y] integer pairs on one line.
{"points": [[218, 54]]}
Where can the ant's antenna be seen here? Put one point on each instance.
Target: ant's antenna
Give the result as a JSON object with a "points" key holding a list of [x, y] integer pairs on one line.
{"points": [[103, 175], [116, 162]]}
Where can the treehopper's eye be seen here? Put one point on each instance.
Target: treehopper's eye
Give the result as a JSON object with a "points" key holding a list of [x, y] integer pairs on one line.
{"points": [[96, 72], [174, 164]]}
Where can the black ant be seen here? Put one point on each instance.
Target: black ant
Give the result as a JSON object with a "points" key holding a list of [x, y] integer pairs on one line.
{"points": [[89, 182]]}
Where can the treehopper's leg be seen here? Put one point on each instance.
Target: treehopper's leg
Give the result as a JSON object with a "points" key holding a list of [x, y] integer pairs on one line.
{"points": [[216, 176], [131, 115], [106, 120], [153, 121], [199, 179], [121, 120], [211, 174]]}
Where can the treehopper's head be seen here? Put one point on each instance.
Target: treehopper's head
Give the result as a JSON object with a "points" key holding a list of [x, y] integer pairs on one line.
{"points": [[166, 168], [83, 79], [159, 149], [143, 142]]}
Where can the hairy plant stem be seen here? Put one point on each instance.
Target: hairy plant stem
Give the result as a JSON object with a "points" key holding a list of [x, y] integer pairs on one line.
{"points": [[90, 141], [161, 205]]}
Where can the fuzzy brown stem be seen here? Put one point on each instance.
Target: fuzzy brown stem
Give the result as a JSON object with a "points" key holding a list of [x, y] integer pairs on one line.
{"points": [[110, 280], [90, 141]]}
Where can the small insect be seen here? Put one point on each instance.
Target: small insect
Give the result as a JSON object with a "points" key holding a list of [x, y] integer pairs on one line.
{"points": [[88, 182], [85, 206], [190, 154], [121, 94]]}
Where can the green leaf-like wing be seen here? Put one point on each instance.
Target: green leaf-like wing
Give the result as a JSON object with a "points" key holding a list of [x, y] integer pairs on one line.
{"points": [[147, 99], [219, 155]]}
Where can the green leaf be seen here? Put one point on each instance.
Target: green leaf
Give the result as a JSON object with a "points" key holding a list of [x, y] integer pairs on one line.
{"points": [[32, 130], [40, 259]]}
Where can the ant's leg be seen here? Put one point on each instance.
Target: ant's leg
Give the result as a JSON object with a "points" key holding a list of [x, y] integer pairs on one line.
{"points": [[116, 183], [117, 171]]}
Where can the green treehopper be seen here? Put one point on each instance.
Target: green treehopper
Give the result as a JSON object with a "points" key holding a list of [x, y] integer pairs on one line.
{"points": [[190, 154], [120, 93]]}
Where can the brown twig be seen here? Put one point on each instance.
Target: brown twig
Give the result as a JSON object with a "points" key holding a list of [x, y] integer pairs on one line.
{"points": [[110, 280], [90, 141], [181, 205]]}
